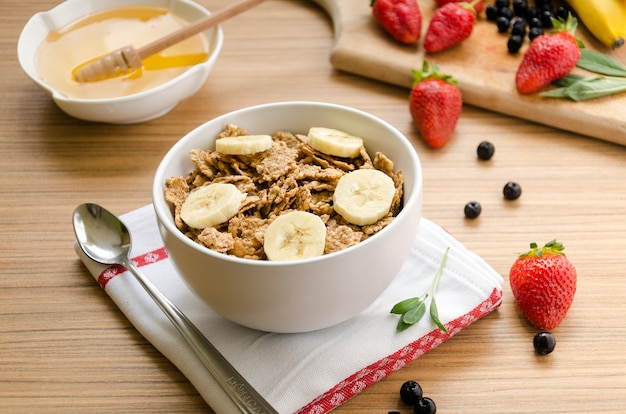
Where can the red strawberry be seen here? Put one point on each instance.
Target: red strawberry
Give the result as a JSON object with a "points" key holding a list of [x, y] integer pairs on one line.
{"points": [[479, 7], [451, 24], [549, 57], [402, 19], [543, 282], [435, 105]]}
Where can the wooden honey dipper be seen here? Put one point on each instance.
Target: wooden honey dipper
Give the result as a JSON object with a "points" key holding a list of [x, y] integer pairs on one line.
{"points": [[128, 58]]}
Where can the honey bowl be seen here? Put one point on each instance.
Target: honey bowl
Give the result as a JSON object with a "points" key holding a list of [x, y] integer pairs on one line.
{"points": [[54, 42]]}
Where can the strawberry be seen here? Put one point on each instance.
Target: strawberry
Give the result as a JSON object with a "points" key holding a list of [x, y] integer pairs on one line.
{"points": [[543, 282], [402, 19], [450, 24], [549, 57], [435, 104], [479, 6]]}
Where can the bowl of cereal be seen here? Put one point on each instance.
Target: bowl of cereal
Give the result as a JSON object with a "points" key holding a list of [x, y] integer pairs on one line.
{"points": [[291, 216], [54, 43]]}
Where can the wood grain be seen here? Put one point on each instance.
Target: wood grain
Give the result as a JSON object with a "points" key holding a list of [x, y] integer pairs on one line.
{"points": [[482, 65], [65, 347]]}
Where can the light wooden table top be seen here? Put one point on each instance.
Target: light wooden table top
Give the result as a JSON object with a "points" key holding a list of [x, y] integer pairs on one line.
{"points": [[64, 346]]}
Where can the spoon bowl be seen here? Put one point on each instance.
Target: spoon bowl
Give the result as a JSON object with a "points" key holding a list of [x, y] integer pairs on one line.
{"points": [[103, 237]]}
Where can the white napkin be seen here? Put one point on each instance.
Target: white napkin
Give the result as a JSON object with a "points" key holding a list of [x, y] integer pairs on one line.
{"points": [[310, 372]]}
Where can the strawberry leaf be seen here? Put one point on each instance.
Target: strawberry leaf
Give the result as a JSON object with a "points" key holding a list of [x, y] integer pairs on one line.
{"points": [[429, 72], [551, 247], [568, 25]]}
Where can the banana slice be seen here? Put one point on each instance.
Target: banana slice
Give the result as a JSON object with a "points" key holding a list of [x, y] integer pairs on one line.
{"points": [[211, 205], [294, 236], [244, 144], [335, 142], [363, 197]]}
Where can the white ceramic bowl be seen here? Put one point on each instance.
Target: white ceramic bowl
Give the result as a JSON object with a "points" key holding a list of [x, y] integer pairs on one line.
{"points": [[135, 108], [301, 295]]}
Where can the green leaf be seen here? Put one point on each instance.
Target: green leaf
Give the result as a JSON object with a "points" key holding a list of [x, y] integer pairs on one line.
{"points": [[413, 309], [415, 314], [588, 88], [555, 93], [596, 88], [600, 63], [402, 325], [434, 315], [406, 305], [569, 80]]}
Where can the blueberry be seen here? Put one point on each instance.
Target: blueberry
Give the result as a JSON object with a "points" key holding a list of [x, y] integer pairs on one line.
{"points": [[491, 11], [425, 405], [534, 32], [485, 150], [410, 392], [562, 13], [546, 8], [518, 27], [506, 12], [515, 43], [519, 22], [518, 30], [544, 343], [531, 13], [535, 22], [546, 19], [503, 3], [503, 24], [520, 7], [512, 191], [472, 209]]}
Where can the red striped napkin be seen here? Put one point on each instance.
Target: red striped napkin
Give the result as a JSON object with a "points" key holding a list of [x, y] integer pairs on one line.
{"points": [[310, 372]]}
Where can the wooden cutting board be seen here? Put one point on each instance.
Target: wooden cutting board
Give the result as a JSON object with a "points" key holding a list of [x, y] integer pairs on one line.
{"points": [[482, 65]]}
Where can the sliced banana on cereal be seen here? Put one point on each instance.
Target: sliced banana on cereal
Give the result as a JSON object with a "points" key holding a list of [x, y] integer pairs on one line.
{"points": [[211, 205], [244, 144], [335, 142], [294, 236], [364, 196]]}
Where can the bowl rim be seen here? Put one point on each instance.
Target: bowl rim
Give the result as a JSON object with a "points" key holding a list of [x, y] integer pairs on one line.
{"points": [[164, 214], [216, 42]]}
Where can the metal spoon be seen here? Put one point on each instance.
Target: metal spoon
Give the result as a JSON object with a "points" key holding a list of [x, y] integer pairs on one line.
{"points": [[104, 238]]}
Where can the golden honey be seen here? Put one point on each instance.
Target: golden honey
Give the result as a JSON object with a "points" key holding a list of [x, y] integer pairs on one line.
{"points": [[103, 32]]}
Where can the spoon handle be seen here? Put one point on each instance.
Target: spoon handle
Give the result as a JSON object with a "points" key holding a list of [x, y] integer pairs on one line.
{"points": [[246, 398]]}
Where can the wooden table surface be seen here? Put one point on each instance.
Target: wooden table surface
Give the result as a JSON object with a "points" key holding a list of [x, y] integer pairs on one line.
{"points": [[64, 346]]}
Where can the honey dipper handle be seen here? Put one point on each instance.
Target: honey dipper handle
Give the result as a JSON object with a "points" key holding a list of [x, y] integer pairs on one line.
{"points": [[196, 27], [129, 58]]}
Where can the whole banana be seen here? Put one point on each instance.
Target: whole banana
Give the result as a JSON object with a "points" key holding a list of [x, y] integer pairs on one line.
{"points": [[605, 19]]}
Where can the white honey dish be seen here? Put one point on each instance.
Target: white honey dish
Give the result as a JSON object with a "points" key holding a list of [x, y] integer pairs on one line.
{"points": [[135, 108], [304, 295]]}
